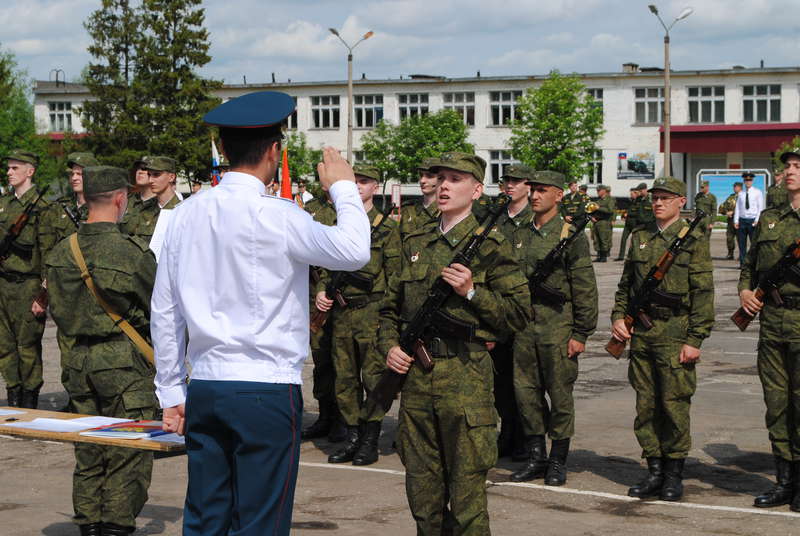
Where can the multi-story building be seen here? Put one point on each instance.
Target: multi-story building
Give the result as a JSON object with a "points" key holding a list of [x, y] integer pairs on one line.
{"points": [[722, 119]]}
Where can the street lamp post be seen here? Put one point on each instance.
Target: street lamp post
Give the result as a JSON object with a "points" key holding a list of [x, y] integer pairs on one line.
{"points": [[667, 93], [350, 87]]}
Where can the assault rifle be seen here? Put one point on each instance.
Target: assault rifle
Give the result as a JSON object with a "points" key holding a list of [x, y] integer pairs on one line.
{"points": [[428, 315], [769, 283], [71, 214], [333, 290], [16, 229], [648, 292], [546, 266]]}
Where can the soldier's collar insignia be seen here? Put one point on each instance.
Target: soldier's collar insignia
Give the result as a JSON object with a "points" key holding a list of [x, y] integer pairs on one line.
{"points": [[771, 224], [415, 257], [63, 216], [519, 245], [643, 245]]}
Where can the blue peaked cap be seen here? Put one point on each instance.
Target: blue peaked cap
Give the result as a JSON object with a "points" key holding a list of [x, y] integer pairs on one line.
{"points": [[254, 110]]}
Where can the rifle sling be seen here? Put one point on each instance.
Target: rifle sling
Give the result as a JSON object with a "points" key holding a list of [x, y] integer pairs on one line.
{"points": [[123, 324]]}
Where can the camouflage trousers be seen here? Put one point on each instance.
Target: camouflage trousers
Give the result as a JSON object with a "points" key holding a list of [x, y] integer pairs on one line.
{"points": [[626, 232], [543, 368], [355, 360], [447, 441], [323, 364], [664, 389], [730, 237], [20, 334], [111, 379], [779, 371], [601, 234]]}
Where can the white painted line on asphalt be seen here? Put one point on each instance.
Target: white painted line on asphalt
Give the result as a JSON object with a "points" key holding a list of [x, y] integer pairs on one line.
{"points": [[571, 491]]}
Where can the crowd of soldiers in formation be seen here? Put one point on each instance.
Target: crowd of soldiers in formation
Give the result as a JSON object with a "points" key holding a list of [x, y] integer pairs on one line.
{"points": [[519, 358]]}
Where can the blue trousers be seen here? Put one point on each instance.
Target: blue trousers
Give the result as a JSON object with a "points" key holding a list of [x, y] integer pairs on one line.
{"points": [[745, 231], [243, 445]]}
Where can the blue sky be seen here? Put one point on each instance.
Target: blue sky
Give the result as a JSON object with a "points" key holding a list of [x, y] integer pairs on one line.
{"points": [[255, 38]]}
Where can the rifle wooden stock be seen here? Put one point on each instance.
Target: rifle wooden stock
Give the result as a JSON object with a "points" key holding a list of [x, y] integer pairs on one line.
{"points": [[318, 320], [615, 347], [741, 317]]}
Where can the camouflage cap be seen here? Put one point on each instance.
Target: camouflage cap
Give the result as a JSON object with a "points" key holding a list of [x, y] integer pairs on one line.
{"points": [[603, 187], [669, 184], [367, 170], [739, 184], [703, 184], [549, 178], [82, 160], [583, 187], [101, 179], [428, 164], [22, 155], [160, 163], [642, 186], [519, 171], [468, 163], [140, 162], [792, 151]]}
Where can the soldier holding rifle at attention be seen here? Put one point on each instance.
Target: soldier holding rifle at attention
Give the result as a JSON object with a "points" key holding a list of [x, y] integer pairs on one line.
{"points": [[447, 437], [565, 315], [779, 335], [663, 357]]}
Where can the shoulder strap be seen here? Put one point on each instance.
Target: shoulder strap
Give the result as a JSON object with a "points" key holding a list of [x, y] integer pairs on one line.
{"points": [[123, 324]]}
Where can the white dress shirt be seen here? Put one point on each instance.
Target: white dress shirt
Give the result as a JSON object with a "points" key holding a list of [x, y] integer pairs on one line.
{"points": [[756, 205], [233, 272]]}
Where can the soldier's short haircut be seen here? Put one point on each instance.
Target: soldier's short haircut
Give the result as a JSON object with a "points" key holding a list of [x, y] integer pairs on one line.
{"points": [[246, 146], [103, 197]]}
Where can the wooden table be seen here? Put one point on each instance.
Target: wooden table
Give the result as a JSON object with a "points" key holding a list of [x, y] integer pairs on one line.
{"points": [[75, 437]]}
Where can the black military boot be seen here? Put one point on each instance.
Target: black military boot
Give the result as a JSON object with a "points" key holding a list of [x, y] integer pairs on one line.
{"points": [[91, 529], [795, 506], [651, 485], [110, 529], [367, 453], [346, 453], [557, 463], [322, 425], [30, 399], [14, 395], [537, 460], [781, 492], [672, 490]]}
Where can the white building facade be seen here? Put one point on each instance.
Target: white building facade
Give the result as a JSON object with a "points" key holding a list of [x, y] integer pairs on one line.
{"points": [[722, 119]]}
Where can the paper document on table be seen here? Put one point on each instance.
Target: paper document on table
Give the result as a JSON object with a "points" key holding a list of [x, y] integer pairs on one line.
{"points": [[95, 421], [49, 425], [160, 232], [169, 438], [4, 412]]}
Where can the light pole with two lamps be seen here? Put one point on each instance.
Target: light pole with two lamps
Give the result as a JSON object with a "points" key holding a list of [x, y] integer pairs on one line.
{"points": [[667, 97], [350, 87]]}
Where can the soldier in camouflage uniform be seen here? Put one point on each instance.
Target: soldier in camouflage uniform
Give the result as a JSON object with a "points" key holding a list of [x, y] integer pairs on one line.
{"points": [[630, 223], [726, 209], [573, 204], [662, 359], [23, 303], [603, 218], [420, 212], [447, 438], [514, 225], [356, 363], [161, 171], [105, 372], [779, 336], [777, 195], [139, 191], [546, 352], [707, 202], [329, 423], [644, 209]]}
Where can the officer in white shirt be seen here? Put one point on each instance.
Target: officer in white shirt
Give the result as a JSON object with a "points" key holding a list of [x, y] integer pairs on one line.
{"points": [[240, 290], [749, 205]]}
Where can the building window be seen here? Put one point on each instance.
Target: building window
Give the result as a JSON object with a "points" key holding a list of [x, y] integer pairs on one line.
{"points": [[762, 103], [290, 123], [597, 95], [707, 104], [463, 103], [498, 162], [413, 104], [358, 157], [369, 110], [325, 111], [60, 116], [504, 108], [594, 173], [649, 103]]}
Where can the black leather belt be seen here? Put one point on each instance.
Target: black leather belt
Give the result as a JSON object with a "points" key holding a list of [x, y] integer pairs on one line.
{"points": [[657, 312], [791, 302], [441, 348], [359, 302], [16, 277]]}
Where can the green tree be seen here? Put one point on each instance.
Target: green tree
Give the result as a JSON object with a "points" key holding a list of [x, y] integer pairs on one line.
{"points": [[557, 127], [397, 149], [303, 159]]}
